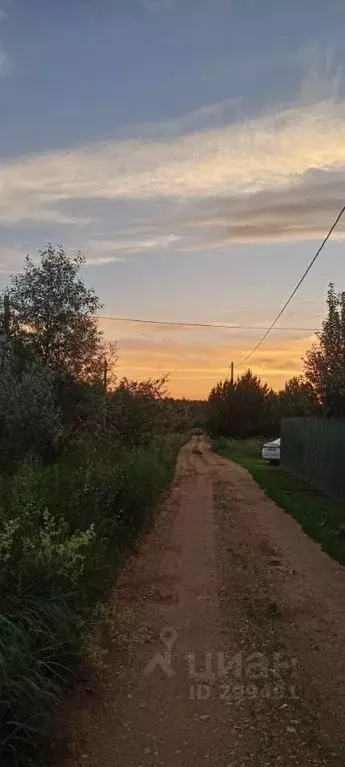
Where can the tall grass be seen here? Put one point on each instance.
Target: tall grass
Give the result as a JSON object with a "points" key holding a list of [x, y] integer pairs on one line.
{"points": [[63, 530]]}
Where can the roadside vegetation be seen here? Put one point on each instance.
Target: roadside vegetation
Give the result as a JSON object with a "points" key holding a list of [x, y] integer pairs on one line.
{"points": [[320, 516], [247, 407], [308, 414], [84, 458]]}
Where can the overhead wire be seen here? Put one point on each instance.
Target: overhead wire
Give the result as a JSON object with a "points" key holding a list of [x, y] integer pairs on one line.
{"points": [[213, 325], [216, 326], [284, 307]]}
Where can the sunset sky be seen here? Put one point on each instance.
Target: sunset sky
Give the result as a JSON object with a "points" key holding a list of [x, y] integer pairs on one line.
{"points": [[194, 150]]}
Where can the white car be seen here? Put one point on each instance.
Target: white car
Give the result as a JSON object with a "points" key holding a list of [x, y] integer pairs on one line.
{"points": [[271, 451]]}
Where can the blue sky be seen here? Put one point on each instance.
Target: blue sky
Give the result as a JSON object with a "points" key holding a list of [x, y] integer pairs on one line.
{"points": [[194, 150]]}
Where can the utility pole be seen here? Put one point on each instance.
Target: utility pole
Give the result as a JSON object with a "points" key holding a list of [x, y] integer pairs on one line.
{"points": [[5, 330], [231, 367], [105, 374]]}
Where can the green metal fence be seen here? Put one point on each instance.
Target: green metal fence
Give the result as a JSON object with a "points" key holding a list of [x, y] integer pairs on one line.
{"points": [[314, 450]]}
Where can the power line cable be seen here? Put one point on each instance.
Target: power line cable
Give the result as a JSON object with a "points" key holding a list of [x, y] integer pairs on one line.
{"points": [[212, 325], [271, 327]]}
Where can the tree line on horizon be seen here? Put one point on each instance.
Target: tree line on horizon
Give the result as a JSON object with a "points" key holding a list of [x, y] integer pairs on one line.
{"points": [[249, 407]]}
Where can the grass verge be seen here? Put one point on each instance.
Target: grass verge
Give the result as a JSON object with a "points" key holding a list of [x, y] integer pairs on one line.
{"points": [[321, 517]]}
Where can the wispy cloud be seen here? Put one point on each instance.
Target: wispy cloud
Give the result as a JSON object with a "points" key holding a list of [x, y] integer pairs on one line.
{"points": [[102, 252], [302, 210], [256, 179], [130, 245], [97, 252], [102, 260]]}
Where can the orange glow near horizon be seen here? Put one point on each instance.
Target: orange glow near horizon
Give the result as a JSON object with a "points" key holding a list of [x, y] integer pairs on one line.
{"points": [[195, 366]]}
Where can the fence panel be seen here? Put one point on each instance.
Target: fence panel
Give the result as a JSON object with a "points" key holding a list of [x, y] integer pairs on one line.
{"points": [[314, 450]]}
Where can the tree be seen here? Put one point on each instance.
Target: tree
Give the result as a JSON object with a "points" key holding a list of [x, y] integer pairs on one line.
{"points": [[54, 313], [324, 364], [244, 408], [296, 399]]}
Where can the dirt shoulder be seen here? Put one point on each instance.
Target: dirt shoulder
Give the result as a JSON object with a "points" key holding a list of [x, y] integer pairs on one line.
{"points": [[226, 640]]}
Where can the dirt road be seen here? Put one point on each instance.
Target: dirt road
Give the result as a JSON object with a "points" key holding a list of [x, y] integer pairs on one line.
{"points": [[227, 641]]}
